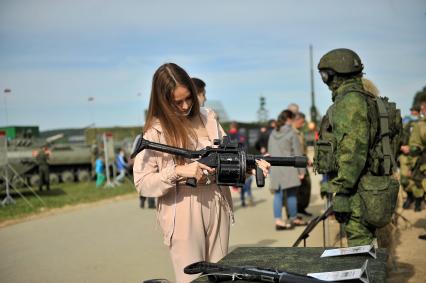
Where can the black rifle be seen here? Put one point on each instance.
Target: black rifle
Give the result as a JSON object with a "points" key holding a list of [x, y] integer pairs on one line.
{"points": [[230, 159], [312, 224], [218, 272]]}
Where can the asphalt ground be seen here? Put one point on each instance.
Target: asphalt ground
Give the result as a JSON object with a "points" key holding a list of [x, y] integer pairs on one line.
{"points": [[117, 241]]}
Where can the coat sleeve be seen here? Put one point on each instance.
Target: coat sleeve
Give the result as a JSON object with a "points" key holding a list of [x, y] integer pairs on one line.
{"points": [[151, 178], [221, 132], [351, 129], [297, 148]]}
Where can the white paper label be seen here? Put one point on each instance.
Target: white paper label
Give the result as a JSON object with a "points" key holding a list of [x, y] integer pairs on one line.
{"points": [[368, 249], [352, 274]]}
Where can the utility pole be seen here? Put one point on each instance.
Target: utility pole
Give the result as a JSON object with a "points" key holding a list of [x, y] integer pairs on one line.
{"points": [[7, 92], [313, 110]]}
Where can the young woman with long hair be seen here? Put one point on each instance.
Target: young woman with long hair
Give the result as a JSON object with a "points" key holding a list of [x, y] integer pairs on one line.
{"points": [[194, 221]]}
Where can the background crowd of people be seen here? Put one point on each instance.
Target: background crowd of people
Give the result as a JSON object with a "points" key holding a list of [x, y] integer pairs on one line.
{"points": [[176, 117]]}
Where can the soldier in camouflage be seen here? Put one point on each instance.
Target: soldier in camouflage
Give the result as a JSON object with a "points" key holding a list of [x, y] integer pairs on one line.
{"points": [[342, 151], [416, 149], [405, 160], [43, 168]]}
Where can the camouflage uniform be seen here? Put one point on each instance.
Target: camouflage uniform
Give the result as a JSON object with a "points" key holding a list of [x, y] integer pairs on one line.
{"points": [[343, 149], [417, 144], [43, 169], [350, 128], [405, 165]]}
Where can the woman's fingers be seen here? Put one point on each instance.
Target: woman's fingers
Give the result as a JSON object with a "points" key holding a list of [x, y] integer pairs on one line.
{"points": [[264, 165], [205, 167], [200, 170], [192, 170]]}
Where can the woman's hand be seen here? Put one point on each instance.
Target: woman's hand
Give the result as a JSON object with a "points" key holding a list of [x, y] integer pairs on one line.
{"points": [[301, 176], [264, 165], [193, 170]]}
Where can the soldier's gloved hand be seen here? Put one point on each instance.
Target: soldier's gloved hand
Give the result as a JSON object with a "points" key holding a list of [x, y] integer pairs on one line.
{"points": [[342, 208], [323, 189]]}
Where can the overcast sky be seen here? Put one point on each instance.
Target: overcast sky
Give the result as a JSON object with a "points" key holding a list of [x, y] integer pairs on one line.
{"points": [[55, 54]]}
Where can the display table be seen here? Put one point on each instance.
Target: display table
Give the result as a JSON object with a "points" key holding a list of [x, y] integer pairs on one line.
{"points": [[305, 260]]}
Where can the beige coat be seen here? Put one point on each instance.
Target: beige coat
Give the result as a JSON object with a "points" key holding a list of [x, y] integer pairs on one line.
{"points": [[155, 176]]}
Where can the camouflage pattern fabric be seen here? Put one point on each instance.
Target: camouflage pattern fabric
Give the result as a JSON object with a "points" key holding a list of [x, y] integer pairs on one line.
{"points": [[406, 161], [357, 233], [42, 158], [417, 146], [348, 118], [43, 169]]}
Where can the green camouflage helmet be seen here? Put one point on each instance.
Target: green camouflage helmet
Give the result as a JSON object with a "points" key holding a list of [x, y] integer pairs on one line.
{"points": [[342, 61]]}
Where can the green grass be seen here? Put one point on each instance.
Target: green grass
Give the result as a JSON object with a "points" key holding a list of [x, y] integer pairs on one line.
{"points": [[60, 195]]}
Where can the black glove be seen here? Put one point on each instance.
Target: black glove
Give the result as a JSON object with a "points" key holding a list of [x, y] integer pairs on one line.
{"points": [[342, 217], [324, 189], [342, 208]]}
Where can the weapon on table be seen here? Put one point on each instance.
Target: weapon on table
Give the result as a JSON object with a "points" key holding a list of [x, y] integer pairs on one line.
{"points": [[311, 225], [230, 159], [218, 272]]}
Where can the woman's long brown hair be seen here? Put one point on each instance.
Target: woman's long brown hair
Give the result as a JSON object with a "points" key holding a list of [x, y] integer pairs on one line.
{"points": [[175, 126], [283, 117]]}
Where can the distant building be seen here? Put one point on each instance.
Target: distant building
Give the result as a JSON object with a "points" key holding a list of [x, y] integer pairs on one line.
{"points": [[217, 106], [14, 132]]}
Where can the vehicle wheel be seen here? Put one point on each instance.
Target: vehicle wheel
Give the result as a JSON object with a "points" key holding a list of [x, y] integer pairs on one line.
{"points": [[83, 176], [17, 183], [53, 178], [34, 180], [67, 177]]}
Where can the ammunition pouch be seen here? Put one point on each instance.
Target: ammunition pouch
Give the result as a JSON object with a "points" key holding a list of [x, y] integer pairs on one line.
{"points": [[324, 158], [378, 196]]}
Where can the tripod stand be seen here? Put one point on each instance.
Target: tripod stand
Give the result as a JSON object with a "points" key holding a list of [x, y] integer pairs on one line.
{"points": [[8, 199], [312, 224]]}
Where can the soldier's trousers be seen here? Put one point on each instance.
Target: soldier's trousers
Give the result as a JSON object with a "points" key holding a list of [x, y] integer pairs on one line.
{"points": [[357, 233], [44, 179], [407, 181], [304, 193]]}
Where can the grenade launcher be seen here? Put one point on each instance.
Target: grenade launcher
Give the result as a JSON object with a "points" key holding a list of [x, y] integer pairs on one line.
{"points": [[219, 272], [230, 159]]}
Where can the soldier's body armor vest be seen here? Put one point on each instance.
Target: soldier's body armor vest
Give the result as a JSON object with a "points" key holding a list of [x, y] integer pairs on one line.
{"points": [[385, 126]]}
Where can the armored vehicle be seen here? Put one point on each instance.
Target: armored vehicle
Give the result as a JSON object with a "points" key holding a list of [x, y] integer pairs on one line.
{"points": [[67, 162]]}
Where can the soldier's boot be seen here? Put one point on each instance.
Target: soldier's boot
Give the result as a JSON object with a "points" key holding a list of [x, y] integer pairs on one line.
{"points": [[418, 204], [422, 237], [408, 201]]}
